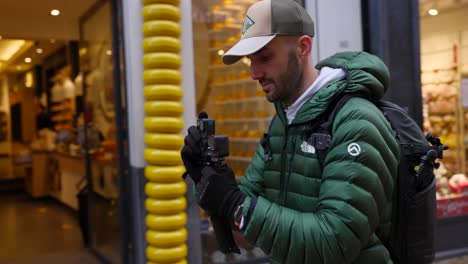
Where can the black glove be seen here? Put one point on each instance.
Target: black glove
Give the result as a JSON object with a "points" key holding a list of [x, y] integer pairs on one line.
{"points": [[191, 154], [217, 192]]}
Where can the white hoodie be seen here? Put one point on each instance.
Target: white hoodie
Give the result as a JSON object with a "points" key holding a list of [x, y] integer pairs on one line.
{"points": [[326, 76]]}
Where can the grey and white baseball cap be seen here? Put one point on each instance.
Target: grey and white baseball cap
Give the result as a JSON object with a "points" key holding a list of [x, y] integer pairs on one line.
{"points": [[264, 21]]}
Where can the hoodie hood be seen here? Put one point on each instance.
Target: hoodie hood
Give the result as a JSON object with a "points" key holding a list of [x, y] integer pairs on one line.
{"points": [[366, 74]]}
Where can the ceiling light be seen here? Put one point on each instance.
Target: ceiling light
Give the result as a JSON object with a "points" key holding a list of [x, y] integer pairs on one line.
{"points": [[39, 50], [220, 52], [10, 47], [109, 52], [27, 60], [433, 12], [55, 12]]}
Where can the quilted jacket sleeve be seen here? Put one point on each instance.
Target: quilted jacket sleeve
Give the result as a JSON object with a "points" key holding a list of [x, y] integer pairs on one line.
{"points": [[252, 182], [355, 195]]}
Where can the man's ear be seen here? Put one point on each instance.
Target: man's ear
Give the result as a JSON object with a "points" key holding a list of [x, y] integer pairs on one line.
{"points": [[304, 46]]}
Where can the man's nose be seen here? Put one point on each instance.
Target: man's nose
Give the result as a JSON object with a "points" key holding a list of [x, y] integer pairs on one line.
{"points": [[256, 73]]}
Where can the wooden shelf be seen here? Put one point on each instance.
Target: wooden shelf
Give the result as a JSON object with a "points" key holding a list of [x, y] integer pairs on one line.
{"points": [[223, 47], [241, 81], [243, 120], [244, 100], [226, 30], [242, 159], [450, 68], [244, 140], [442, 113], [233, 8], [436, 83]]}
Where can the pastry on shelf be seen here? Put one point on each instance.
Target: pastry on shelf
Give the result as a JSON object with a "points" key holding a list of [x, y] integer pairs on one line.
{"points": [[458, 183]]}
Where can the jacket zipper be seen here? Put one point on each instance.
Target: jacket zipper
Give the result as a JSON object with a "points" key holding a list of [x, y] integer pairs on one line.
{"points": [[284, 153], [289, 167], [286, 164]]}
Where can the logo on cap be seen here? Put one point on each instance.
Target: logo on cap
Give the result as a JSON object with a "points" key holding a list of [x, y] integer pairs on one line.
{"points": [[247, 24]]}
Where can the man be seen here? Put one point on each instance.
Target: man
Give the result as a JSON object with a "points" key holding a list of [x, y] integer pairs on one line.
{"points": [[294, 206]]}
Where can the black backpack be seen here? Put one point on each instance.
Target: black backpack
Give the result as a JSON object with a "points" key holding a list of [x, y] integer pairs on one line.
{"points": [[414, 196]]}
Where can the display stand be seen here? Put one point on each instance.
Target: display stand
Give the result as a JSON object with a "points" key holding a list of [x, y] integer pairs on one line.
{"points": [[70, 170], [37, 182]]}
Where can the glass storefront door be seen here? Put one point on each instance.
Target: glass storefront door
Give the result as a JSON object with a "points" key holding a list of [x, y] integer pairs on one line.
{"points": [[98, 127]]}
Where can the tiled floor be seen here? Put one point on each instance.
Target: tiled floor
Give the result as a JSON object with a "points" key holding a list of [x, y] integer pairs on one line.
{"points": [[45, 232], [70, 257], [39, 231]]}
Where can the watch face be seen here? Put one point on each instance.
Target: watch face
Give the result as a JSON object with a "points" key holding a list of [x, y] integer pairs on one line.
{"points": [[239, 217]]}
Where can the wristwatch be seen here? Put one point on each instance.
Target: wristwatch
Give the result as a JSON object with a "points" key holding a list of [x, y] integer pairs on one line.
{"points": [[239, 217]]}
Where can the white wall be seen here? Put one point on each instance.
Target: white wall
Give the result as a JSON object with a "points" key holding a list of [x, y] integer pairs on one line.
{"points": [[133, 41], [187, 69], [338, 26]]}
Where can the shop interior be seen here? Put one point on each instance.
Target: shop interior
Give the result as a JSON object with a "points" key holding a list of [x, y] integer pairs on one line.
{"points": [[444, 79], [57, 129], [444, 82]]}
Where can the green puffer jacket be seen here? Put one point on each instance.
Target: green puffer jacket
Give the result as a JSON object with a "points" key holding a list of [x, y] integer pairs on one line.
{"points": [[339, 213]]}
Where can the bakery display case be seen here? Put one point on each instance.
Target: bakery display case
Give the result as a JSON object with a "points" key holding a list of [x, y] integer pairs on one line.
{"points": [[442, 113], [228, 93], [232, 98], [445, 116], [62, 115], [445, 111]]}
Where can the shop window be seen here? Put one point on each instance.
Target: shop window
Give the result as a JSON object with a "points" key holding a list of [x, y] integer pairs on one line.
{"points": [[444, 72], [228, 94], [97, 85]]}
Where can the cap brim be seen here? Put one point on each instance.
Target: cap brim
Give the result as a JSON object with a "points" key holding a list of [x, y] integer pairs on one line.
{"points": [[245, 47]]}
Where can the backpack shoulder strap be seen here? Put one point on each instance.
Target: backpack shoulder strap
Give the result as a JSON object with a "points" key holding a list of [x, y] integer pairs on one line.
{"points": [[322, 138], [333, 109], [265, 141]]}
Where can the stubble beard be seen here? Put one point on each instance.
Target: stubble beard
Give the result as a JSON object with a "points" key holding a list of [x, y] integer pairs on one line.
{"points": [[288, 83]]}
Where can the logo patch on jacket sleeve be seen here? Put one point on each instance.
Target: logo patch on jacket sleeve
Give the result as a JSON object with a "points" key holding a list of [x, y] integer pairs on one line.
{"points": [[354, 149], [307, 148]]}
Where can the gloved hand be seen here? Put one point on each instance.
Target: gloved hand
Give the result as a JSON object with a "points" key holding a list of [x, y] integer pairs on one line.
{"points": [[217, 192], [191, 154]]}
